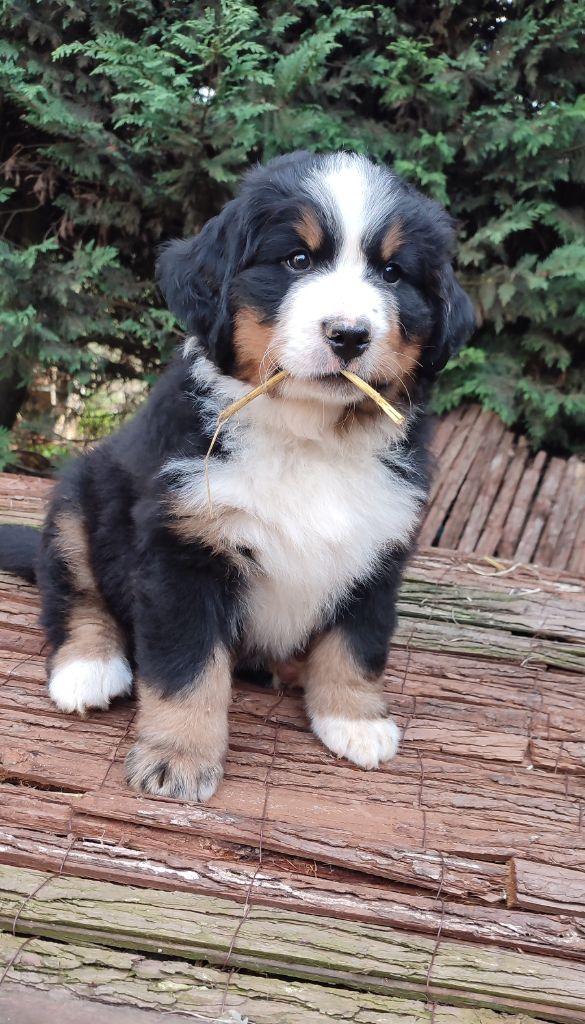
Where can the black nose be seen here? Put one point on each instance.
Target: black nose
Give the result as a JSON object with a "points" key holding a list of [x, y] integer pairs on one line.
{"points": [[347, 340]]}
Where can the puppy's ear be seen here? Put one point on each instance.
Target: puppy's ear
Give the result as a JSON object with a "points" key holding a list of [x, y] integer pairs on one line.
{"points": [[195, 276], [454, 325]]}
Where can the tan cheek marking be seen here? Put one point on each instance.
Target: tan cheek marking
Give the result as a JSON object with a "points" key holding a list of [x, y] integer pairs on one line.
{"points": [[251, 341], [309, 229], [391, 241], [336, 686], [401, 362]]}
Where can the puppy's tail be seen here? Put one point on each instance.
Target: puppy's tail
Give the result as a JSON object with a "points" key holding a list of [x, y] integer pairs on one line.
{"points": [[19, 549]]}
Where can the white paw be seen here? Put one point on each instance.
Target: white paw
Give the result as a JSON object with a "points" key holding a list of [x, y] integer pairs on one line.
{"points": [[365, 741], [83, 684]]}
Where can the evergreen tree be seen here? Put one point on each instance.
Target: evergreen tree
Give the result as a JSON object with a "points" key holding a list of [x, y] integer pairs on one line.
{"points": [[127, 123]]}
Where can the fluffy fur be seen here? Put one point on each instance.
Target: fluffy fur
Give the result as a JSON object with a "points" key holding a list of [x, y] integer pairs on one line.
{"points": [[320, 263]]}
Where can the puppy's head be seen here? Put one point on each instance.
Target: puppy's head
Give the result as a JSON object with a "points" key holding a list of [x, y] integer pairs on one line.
{"points": [[322, 263]]}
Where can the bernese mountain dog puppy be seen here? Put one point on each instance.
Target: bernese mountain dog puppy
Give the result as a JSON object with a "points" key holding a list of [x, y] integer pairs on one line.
{"points": [[321, 262]]}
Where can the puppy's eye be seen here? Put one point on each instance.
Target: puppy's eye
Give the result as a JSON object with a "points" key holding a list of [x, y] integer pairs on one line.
{"points": [[299, 260], [391, 273]]}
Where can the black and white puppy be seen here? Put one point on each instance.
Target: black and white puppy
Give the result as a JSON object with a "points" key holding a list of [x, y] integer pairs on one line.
{"points": [[320, 263]]}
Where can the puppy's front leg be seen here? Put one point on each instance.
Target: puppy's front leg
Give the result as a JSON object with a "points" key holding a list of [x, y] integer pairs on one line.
{"points": [[343, 674], [183, 735], [184, 625]]}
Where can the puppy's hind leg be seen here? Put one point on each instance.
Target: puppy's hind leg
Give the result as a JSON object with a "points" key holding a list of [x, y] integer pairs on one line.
{"points": [[89, 666]]}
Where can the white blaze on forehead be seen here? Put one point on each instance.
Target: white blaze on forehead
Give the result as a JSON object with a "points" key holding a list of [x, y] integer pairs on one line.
{"points": [[347, 187], [359, 196]]}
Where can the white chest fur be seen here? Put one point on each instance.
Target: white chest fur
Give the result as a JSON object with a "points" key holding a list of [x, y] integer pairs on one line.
{"points": [[315, 508]]}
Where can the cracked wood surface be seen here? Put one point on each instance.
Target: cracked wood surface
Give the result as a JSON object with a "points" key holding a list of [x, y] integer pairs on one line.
{"points": [[272, 941], [473, 836], [101, 977]]}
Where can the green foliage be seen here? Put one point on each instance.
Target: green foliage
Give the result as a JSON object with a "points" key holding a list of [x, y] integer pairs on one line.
{"points": [[6, 455], [126, 123]]}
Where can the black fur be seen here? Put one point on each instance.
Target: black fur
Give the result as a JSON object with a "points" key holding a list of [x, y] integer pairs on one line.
{"points": [[19, 549]]}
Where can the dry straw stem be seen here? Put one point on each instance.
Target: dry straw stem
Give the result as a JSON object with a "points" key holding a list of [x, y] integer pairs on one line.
{"points": [[268, 385], [368, 390]]}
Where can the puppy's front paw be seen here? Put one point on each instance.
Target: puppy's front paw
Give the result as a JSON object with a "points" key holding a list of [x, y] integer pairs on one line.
{"points": [[365, 741], [166, 772], [84, 684]]}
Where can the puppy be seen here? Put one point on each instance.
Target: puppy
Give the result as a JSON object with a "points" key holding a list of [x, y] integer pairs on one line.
{"points": [[292, 543]]}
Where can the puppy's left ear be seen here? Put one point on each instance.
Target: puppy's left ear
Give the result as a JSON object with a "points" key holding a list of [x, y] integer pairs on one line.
{"points": [[454, 325]]}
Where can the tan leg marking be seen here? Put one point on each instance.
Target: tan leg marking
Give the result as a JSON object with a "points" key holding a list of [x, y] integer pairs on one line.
{"points": [[347, 710], [183, 738], [90, 668], [252, 339], [72, 543]]}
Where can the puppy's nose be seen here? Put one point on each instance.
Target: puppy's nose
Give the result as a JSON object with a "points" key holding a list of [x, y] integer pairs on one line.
{"points": [[347, 340]]}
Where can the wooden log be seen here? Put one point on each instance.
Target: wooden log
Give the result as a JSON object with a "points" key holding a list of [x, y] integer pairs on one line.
{"points": [[114, 978], [144, 859], [297, 946], [528, 610]]}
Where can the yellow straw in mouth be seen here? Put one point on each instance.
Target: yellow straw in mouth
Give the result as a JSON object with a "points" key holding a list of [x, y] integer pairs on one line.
{"points": [[268, 385], [368, 390]]}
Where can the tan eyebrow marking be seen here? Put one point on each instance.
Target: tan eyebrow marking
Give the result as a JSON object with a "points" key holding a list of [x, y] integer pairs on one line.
{"points": [[392, 240], [309, 229]]}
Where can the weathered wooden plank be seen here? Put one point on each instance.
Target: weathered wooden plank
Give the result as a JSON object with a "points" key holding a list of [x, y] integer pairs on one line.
{"points": [[278, 942], [520, 509], [459, 567], [452, 471], [556, 517], [445, 429], [550, 489], [193, 865], [114, 978], [575, 501], [560, 756], [526, 610], [490, 481], [577, 558], [488, 541], [538, 887], [23, 499], [468, 494]]}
